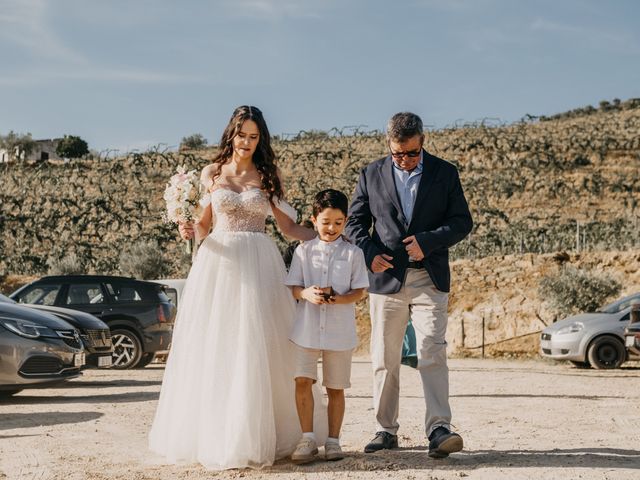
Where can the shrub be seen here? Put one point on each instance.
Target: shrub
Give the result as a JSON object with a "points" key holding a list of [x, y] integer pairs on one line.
{"points": [[143, 260], [193, 142], [572, 290], [70, 264], [72, 147]]}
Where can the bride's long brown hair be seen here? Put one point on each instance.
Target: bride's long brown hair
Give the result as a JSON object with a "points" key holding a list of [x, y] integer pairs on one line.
{"points": [[263, 158]]}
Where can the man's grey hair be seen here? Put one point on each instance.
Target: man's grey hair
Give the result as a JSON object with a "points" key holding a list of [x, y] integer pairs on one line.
{"points": [[403, 126]]}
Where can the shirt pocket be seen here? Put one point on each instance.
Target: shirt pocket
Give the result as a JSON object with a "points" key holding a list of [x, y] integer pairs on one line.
{"points": [[341, 276]]}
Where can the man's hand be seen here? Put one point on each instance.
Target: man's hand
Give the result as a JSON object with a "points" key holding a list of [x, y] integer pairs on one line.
{"points": [[381, 263], [413, 248], [186, 230]]}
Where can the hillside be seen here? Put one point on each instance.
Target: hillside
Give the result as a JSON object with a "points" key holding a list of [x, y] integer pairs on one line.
{"points": [[527, 185], [567, 183]]}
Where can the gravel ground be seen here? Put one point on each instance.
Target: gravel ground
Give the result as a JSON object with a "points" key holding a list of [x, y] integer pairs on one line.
{"points": [[519, 419]]}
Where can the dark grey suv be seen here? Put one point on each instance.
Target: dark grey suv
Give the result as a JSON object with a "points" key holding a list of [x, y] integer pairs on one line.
{"points": [[139, 313]]}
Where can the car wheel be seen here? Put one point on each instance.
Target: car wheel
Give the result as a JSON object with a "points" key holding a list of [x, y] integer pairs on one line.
{"points": [[606, 352], [580, 364], [146, 359], [127, 349], [8, 393]]}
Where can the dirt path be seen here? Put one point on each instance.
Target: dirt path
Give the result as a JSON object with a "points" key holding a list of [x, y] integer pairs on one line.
{"points": [[519, 419]]}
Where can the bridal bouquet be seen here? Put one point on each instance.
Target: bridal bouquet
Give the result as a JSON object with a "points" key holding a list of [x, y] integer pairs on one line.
{"points": [[182, 196]]}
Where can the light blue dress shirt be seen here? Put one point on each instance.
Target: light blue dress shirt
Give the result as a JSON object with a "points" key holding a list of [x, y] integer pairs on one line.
{"points": [[407, 187]]}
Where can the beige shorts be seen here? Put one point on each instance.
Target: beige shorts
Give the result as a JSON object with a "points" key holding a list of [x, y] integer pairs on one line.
{"points": [[336, 366]]}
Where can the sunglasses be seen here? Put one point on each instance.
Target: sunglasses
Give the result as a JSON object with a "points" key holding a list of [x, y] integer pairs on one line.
{"points": [[410, 154]]}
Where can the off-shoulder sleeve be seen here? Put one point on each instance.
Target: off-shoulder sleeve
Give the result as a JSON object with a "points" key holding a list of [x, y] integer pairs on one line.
{"points": [[206, 182], [285, 208], [205, 200], [206, 178]]}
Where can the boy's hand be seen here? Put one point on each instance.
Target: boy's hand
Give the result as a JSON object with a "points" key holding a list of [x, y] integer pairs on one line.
{"points": [[352, 296], [313, 294], [327, 294]]}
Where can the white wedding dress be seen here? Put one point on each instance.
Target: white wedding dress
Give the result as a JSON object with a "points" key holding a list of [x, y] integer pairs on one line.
{"points": [[227, 398]]}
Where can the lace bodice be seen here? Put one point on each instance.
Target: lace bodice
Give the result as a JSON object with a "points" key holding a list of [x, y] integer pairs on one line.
{"points": [[240, 212]]}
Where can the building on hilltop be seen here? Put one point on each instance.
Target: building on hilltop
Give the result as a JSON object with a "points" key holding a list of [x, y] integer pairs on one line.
{"points": [[42, 151]]}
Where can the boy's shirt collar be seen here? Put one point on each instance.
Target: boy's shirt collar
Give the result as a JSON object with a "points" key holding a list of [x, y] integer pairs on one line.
{"points": [[324, 245]]}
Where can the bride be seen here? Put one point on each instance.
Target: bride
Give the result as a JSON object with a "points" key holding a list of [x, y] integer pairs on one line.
{"points": [[227, 398]]}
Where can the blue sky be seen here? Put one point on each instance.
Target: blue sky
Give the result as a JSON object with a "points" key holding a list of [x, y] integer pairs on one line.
{"points": [[127, 74]]}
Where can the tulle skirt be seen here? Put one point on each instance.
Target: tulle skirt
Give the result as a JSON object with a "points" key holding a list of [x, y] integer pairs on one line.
{"points": [[227, 398]]}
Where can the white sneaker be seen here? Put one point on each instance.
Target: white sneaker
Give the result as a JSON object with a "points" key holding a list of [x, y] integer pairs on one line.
{"points": [[332, 451], [305, 452]]}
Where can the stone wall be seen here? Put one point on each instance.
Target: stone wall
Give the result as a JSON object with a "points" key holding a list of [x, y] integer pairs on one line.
{"points": [[504, 291]]}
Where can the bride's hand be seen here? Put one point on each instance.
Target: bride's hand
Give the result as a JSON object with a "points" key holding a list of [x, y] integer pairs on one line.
{"points": [[187, 231]]}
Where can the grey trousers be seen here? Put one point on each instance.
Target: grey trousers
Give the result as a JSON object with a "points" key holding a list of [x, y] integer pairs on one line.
{"points": [[427, 307]]}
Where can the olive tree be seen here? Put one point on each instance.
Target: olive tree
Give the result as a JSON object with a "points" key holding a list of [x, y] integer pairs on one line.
{"points": [[72, 147], [572, 290], [143, 260], [193, 142]]}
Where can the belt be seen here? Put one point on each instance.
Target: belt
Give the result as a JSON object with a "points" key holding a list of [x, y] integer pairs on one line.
{"points": [[415, 265]]}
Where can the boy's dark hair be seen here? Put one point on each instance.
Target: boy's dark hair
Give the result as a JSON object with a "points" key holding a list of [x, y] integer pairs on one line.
{"points": [[330, 198]]}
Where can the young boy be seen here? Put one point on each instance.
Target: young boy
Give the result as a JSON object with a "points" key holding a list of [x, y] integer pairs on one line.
{"points": [[327, 276]]}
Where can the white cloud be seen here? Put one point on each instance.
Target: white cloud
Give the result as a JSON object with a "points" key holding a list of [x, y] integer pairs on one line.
{"points": [[455, 5], [549, 26], [488, 40], [41, 77], [24, 24], [618, 41], [276, 9], [45, 58]]}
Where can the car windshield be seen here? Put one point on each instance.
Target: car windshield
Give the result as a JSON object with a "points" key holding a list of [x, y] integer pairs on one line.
{"points": [[4, 299], [621, 304]]}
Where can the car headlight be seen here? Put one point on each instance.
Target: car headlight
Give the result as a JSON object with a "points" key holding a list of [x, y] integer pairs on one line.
{"points": [[26, 329], [573, 328]]}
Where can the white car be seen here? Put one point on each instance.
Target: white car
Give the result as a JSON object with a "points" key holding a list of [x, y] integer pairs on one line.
{"points": [[590, 339]]}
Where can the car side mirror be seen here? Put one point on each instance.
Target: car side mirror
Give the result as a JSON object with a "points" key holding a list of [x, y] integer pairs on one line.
{"points": [[634, 316]]}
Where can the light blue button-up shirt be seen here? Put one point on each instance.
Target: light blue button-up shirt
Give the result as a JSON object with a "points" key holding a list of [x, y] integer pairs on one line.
{"points": [[407, 187]]}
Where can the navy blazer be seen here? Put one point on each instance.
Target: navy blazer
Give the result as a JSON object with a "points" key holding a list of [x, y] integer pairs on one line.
{"points": [[441, 218]]}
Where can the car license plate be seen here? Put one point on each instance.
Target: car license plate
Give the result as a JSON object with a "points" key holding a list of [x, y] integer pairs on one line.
{"points": [[79, 359], [105, 361], [629, 340]]}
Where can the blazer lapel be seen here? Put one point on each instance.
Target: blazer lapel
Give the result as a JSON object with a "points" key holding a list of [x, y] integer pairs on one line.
{"points": [[386, 172], [429, 170]]}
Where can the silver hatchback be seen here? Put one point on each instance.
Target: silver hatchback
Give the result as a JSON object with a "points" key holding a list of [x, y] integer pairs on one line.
{"points": [[590, 339]]}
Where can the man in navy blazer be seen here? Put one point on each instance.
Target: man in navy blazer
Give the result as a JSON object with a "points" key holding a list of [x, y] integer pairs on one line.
{"points": [[408, 209]]}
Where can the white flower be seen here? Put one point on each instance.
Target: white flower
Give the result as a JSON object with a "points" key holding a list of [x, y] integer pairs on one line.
{"points": [[181, 196]]}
